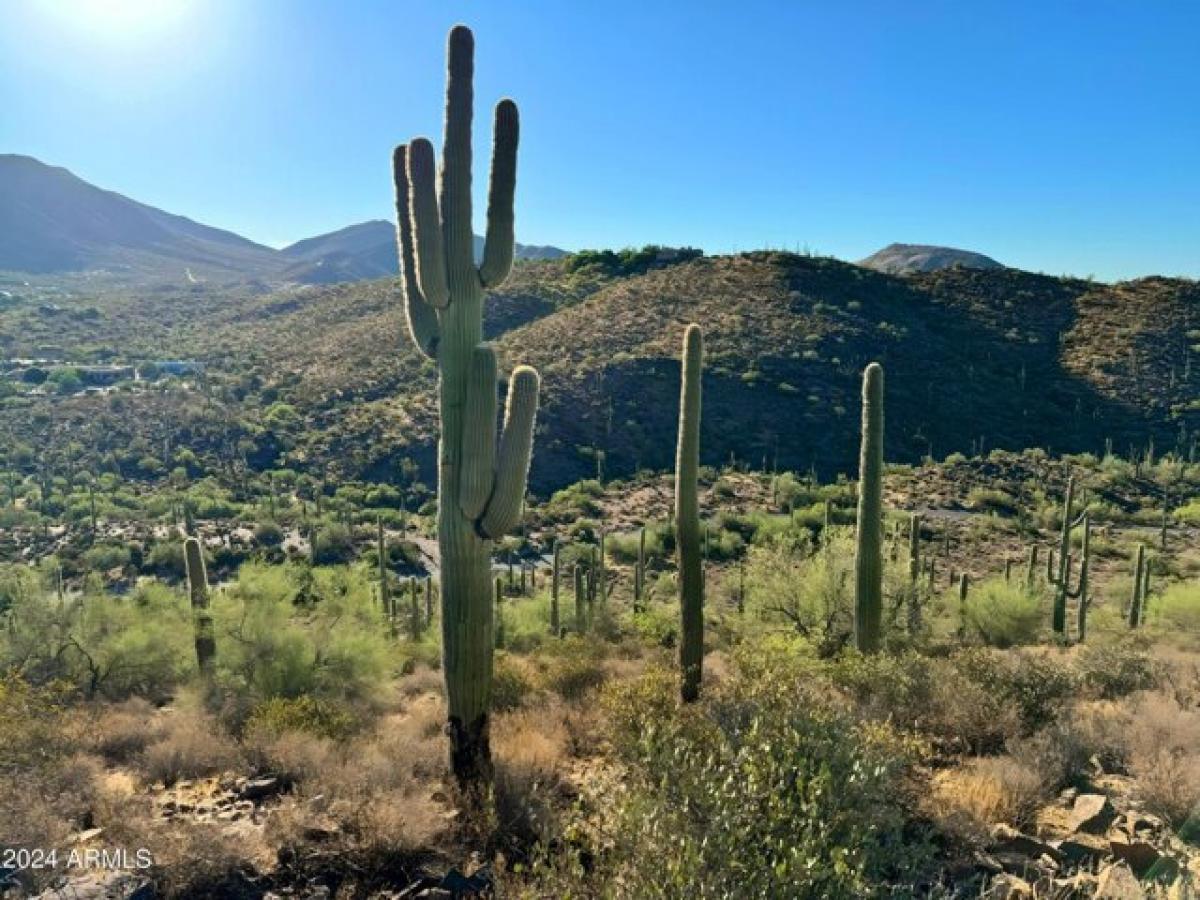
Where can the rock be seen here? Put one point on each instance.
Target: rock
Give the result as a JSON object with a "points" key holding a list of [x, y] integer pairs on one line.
{"points": [[229, 815], [260, 788], [1116, 882], [460, 885], [101, 886], [1141, 856], [1091, 813], [1008, 840], [1068, 795], [319, 833], [90, 835], [1008, 887], [1083, 848]]}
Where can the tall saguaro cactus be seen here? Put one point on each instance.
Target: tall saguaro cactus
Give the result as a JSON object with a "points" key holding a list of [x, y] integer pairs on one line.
{"points": [[202, 623], [868, 555], [687, 518], [481, 482]]}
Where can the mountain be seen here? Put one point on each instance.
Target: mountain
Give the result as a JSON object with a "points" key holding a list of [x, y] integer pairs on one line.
{"points": [[52, 221], [993, 357], [367, 250], [904, 259]]}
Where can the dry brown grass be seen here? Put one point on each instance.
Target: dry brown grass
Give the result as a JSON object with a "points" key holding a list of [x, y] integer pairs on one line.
{"points": [[969, 800], [531, 749], [120, 732], [1164, 755], [192, 744]]}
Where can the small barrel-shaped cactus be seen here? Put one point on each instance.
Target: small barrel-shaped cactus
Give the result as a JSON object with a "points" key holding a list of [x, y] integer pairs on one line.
{"points": [[868, 555]]}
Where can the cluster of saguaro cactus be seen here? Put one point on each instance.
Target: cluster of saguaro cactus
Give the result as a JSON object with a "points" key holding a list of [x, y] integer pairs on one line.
{"points": [[481, 487], [202, 623], [687, 517], [868, 555]]}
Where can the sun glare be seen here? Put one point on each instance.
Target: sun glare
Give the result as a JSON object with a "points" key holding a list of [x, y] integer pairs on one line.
{"points": [[124, 19]]}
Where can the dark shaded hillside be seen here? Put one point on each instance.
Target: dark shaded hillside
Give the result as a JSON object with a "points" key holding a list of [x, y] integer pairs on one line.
{"points": [[324, 378], [972, 357]]}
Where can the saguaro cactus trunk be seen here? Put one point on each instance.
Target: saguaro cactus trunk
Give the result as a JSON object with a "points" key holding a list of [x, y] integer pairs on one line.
{"points": [[202, 624], [868, 556], [687, 518], [480, 486]]}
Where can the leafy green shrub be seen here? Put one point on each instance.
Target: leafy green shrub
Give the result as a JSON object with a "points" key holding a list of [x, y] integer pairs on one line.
{"points": [[1115, 670], [310, 715], [1179, 606], [332, 544], [997, 502], [1003, 614], [510, 683], [1039, 685], [571, 667], [763, 789], [268, 534]]}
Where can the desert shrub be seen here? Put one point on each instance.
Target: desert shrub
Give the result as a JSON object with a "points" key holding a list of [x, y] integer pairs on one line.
{"points": [[1110, 671], [761, 789], [624, 547], [332, 544], [812, 594], [268, 534], [658, 624], [31, 733], [1178, 606], [192, 745], [992, 501], [1039, 686], [571, 668], [120, 732], [103, 557], [968, 800], [291, 631], [1003, 614], [1164, 756], [306, 714], [511, 682]]}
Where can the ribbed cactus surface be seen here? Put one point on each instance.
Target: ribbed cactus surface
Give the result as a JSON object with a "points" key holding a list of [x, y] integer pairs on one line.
{"points": [[202, 624], [868, 555], [687, 517], [481, 479]]}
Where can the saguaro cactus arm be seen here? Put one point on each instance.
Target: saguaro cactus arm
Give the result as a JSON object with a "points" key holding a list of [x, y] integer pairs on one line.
{"points": [[498, 245], [516, 447], [421, 317]]}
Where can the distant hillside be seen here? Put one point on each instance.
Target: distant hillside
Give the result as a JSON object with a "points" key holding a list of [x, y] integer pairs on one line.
{"points": [[993, 357], [367, 250], [51, 221], [903, 259]]}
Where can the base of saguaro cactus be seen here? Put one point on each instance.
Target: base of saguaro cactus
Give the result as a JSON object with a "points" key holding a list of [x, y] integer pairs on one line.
{"points": [[470, 754]]}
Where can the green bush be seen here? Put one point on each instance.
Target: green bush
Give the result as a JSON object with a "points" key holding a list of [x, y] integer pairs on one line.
{"points": [[1003, 614], [1039, 685], [332, 544], [279, 715], [1178, 606], [760, 790], [1115, 670]]}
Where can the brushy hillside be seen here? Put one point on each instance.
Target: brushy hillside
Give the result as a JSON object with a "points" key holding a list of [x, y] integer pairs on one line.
{"points": [[322, 377]]}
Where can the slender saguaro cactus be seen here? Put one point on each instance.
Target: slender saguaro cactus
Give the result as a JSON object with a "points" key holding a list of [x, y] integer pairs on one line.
{"points": [[481, 486], [202, 623], [914, 573], [429, 600], [963, 586], [499, 616], [687, 518], [602, 578], [554, 624], [1084, 574], [414, 624], [580, 601], [639, 572], [1031, 571], [868, 553], [1062, 580], [1135, 602], [381, 550]]}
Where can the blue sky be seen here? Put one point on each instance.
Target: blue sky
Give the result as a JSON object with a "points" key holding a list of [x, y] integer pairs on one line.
{"points": [[1057, 136]]}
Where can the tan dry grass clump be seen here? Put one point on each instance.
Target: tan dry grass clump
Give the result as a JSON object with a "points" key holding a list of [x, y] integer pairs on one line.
{"points": [[967, 801]]}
